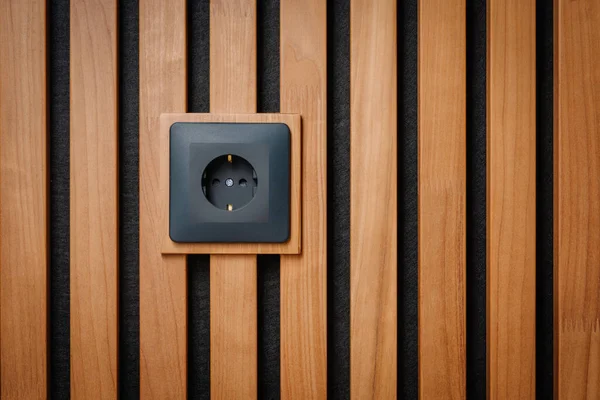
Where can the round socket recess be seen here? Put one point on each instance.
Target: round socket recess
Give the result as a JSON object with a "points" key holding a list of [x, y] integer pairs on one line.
{"points": [[229, 182]]}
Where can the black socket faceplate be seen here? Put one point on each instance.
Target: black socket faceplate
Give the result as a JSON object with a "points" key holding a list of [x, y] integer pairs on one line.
{"points": [[262, 212]]}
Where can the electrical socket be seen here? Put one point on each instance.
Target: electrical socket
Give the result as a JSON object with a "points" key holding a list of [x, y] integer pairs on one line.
{"points": [[229, 182]]}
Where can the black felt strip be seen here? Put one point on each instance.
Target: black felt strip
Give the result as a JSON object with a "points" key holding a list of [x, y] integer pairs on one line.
{"points": [[545, 220], [58, 143], [338, 195], [408, 246], [268, 64], [269, 351], [476, 199], [198, 26], [129, 310], [198, 327], [268, 284]]}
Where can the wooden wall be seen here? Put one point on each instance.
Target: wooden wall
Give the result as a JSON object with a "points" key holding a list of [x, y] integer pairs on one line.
{"points": [[433, 167]]}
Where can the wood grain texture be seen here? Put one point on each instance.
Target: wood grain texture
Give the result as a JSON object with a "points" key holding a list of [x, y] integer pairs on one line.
{"points": [[233, 279], [304, 277], [442, 196], [576, 199], [373, 200], [293, 245], [233, 324], [233, 56], [163, 279], [23, 200], [94, 199], [511, 204]]}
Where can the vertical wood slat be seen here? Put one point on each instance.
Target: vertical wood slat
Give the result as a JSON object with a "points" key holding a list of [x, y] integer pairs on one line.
{"points": [[373, 200], [442, 197], [233, 327], [94, 180], [511, 204], [23, 200], [233, 278], [163, 279], [576, 194], [304, 277]]}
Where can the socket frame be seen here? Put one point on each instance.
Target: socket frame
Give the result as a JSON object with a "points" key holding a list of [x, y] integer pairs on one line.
{"points": [[290, 246]]}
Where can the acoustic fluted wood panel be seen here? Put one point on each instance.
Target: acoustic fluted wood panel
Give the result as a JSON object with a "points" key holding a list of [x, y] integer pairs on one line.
{"points": [[23, 200], [35, 347], [304, 277], [94, 180], [442, 199], [576, 199], [163, 279], [373, 200]]}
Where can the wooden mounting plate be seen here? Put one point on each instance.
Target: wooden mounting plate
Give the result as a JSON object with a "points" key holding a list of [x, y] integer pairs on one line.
{"points": [[293, 245]]}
